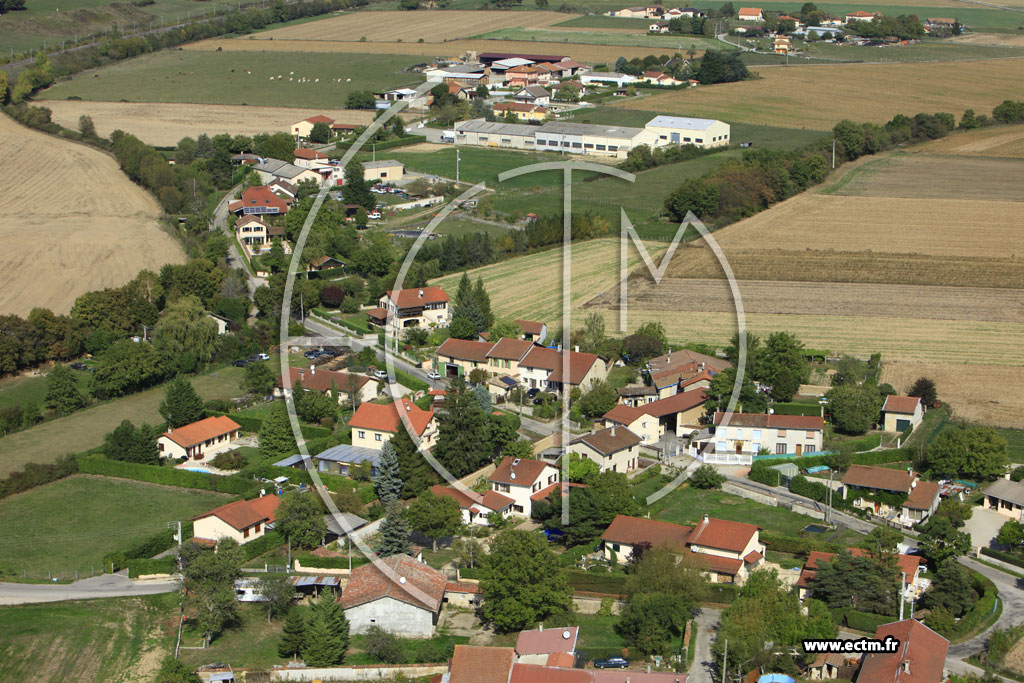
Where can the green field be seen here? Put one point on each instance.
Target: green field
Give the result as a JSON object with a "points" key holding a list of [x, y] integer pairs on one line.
{"points": [[928, 51], [686, 506], [599, 21], [460, 226], [221, 78], [1015, 440], [661, 43], [25, 390], [88, 640], [972, 17], [71, 524], [85, 429]]}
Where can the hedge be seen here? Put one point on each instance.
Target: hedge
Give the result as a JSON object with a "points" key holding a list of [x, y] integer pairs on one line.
{"points": [[387, 144], [475, 573], [264, 544], [984, 607], [1004, 556], [407, 380], [610, 584], [862, 621], [872, 458], [317, 562], [168, 476], [798, 546], [722, 593], [138, 567], [34, 475]]}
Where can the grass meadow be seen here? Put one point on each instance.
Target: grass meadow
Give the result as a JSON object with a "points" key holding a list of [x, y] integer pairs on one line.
{"points": [[71, 524], [659, 43]]}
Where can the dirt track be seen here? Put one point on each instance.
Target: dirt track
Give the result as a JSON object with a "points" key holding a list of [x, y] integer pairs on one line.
{"points": [[164, 124], [70, 221]]}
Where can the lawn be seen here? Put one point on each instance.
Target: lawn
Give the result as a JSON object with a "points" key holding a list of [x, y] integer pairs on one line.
{"points": [[89, 640], [598, 637], [919, 52], [657, 43], [85, 429], [72, 523], [599, 21], [620, 377], [25, 390], [251, 643], [225, 78], [1015, 440], [687, 505]]}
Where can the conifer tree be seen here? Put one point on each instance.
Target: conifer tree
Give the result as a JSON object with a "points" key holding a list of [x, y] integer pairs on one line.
{"points": [[294, 634], [181, 404]]}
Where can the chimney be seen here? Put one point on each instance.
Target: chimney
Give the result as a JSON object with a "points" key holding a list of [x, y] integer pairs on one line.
{"points": [[613, 430], [312, 369], [541, 626], [576, 348], [302, 373], [906, 666], [705, 519]]}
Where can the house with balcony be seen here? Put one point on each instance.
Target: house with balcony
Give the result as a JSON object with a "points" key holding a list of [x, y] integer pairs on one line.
{"points": [[735, 438], [398, 310], [614, 448], [524, 481]]}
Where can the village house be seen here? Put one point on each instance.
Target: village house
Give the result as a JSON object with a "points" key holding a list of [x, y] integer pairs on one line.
{"points": [[198, 440], [481, 664], [726, 551], [522, 76], [859, 15], [678, 414], [303, 128], [734, 438], [660, 78], [524, 481], [417, 307], [407, 608], [687, 378], [614, 449], [259, 200], [863, 483], [310, 158], [341, 386], [658, 27], [782, 45], [459, 357], [901, 412], [636, 395], [324, 263], [241, 521], [283, 189], [251, 230], [909, 566], [532, 330], [920, 657], [1005, 497], [374, 423], [522, 111], [548, 647], [543, 368], [275, 169], [223, 324], [750, 14], [475, 506], [635, 420]]}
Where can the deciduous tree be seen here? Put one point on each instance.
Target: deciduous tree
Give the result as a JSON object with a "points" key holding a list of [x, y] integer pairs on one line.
{"points": [[301, 520], [523, 582], [434, 516], [62, 394]]}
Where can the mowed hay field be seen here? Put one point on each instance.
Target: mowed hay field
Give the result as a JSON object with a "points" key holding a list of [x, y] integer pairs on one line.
{"points": [[164, 124], [990, 394], [530, 286], [70, 222], [818, 97], [1000, 141], [390, 27]]}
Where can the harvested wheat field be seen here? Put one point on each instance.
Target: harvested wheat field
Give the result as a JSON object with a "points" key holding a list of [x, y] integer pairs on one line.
{"points": [[1000, 39], [869, 92], [531, 286], [164, 124], [591, 54], [389, 27], [70, 221], [989, 394], [927, 176], [1002, 141]]}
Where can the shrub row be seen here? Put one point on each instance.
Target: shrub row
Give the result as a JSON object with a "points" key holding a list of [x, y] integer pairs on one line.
{"points": [[984, 607], [475, 573], [1004, 556], [610, 584], [407, 380], [263, 544], [798, 546], [169, 476], [139, 567], [387, 144], [862, 621], [36, 475]]}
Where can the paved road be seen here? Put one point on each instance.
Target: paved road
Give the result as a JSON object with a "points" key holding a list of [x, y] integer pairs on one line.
{"points": [[703, 662], [359, 343], [106, 586], [220, 222]]}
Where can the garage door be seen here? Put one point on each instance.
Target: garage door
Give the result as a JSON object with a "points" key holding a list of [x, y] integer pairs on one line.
{"points": [[902, 424]]}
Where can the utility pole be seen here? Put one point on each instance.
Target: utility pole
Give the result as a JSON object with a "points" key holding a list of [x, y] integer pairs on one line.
{"points": [[830, 497], [833, 154], [725, 659], [458, 158], [903, 582]]}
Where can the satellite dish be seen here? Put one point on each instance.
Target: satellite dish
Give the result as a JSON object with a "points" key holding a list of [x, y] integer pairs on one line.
{"points": [[512, 475], [566, 635], [401, 580]]}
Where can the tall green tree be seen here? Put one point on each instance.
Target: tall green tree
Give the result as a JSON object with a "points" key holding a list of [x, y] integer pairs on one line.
{"points": [[924, 389], [258, 379], [62, 394], [783, 366], [301, 520], [181, 404], [719, 392], [434, 516], [209, 579], [852, 408], [394, 532], [389, 482], [940, 541], [977, 453], [184, 326], [951, 590], [132, 444], [460, 425], [868, 583], [327, 632], [415, 473], [356, 190], [277, 593], [294, 634], [523, 582], [275, 437]]}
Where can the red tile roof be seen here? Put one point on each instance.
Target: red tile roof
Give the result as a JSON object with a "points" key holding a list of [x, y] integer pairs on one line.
{"points": [[530, 326], [322, 380], [565, 660], [411, 298], [478, 664], [905, 405], [547, 641], [920, 659], [684, 357], [718, 565], [309, 154], [908, 564], [858, 13], [922, 495], [623, 414], [526, 472], [579, 366], [752, 557], [883, 478], [808, 422], [463, 587], [465, 349], [246, 220], [243, 514], [632, 530], [319, 118], [510, 349], [384, 417], [609, 440], [203, 430], [423, 586], [722, 534], [492, 500], [259, 195], [677, 403]]}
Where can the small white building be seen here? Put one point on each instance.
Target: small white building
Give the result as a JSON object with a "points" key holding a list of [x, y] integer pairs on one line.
{"points": [[607, 78], [241, 521], [476, 506]]}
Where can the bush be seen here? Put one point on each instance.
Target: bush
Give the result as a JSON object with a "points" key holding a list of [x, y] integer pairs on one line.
{"points": [[862, 621], [798, 546], [407, 380], [36, 475], [384, 646], [722, 593], [1004, 556], [611, 584], [229, 460], [264, 544]]}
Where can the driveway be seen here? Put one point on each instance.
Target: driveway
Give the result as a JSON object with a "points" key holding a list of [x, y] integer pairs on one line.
{"points": [[983, 526], [703, 661], [106, 586]]}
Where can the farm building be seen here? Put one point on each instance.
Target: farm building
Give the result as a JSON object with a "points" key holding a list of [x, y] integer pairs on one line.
{"points": [[901, 412], [489, 58], [585, 138], [407, 607], [750, 14], [607, 78], [387, 169], [678, 130], [660, 78]]}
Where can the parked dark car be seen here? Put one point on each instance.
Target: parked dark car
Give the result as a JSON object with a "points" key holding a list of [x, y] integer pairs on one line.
{"points": [[612, 663], [532, 393], [311, 354], [240, 363], [79, 366], [326, 353]]}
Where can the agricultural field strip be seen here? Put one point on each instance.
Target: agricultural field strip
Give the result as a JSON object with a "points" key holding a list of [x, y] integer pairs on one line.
{"points": [[659, 42], [1002, 141], [931, 176], [990, 394]]}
